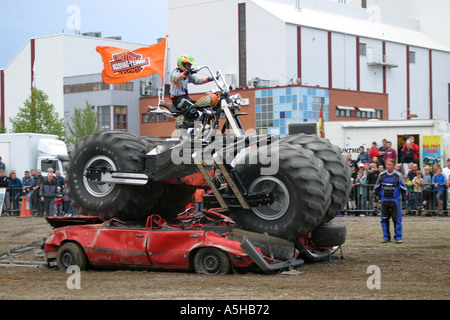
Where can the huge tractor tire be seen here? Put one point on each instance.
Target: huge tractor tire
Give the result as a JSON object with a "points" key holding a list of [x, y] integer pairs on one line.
{"points": [[336, 165], [300, 190], [173, 197], [117, 151]]}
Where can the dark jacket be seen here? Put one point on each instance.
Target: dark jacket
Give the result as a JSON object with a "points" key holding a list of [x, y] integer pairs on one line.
{"points": [[15, 183], [59, 181], [363, 157], [38, 180], [372, 177], [48, 189], [407, 156], [4, 182]]}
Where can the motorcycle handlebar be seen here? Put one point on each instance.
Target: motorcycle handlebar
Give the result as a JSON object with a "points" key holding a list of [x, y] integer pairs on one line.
{"points": [[219, 75]]}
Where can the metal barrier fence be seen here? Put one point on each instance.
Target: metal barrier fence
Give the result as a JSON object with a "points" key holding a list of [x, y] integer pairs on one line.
{"points": [[360, 202], [12, 204], [428, 202], [12, 201]]}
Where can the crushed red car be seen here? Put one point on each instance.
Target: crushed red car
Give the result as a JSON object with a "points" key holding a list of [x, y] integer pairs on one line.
{"points": [[207, 242]]}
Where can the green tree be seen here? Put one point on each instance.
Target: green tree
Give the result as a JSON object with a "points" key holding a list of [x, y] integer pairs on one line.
{"points": [[38, 116], [83, 123], [2, 128]]}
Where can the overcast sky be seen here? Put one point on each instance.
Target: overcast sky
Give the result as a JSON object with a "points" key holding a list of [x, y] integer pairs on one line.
{"points": [[140, 21]]}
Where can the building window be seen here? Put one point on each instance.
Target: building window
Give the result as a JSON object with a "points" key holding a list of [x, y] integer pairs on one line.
{"points": [[152, 117], [120, 118], [412, 57], [96, 86], [379, 114], [343, 111], [369, 113], [128, 86], [104, 118], [277, 108], [362, 49], [242, 46]]}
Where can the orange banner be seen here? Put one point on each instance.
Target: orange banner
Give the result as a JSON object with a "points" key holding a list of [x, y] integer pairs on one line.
{"points": [[122, 65]]}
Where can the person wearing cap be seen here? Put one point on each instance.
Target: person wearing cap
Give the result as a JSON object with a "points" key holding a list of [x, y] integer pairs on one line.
{"points": [[373, 151], [363, 156]]}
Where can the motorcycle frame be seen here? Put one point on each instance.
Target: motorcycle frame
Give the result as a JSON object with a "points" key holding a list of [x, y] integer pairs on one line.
{"points": [[157, 158]]}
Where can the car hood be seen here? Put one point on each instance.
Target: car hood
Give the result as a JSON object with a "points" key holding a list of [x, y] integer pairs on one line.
{"points": [[57, 222]]}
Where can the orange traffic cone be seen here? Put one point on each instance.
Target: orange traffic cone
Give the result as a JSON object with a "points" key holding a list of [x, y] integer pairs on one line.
{"points": [[24, 212], [28, 207]]}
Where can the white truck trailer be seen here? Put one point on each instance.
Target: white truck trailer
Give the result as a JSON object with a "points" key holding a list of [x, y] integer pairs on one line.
{"points": [[432, 136], [26, 151]]}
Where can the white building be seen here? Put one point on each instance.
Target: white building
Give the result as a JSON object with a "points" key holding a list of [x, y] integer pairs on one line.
{"points": [[382, 48], [47, 61]]}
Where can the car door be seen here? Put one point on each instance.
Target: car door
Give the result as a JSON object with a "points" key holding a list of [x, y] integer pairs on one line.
{"points": [[120, 245], [169, 249]]}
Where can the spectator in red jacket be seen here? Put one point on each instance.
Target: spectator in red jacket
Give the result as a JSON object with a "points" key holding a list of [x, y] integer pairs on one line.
{"points": [[373, 152], [415, 147], [198, 199], [390, 153]]}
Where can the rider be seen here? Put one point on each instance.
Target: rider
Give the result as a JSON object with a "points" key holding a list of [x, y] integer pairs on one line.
{"points": [[179, 80]]}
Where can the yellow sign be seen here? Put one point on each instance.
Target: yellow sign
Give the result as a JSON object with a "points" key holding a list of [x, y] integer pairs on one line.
{"points": [[432, 149]]}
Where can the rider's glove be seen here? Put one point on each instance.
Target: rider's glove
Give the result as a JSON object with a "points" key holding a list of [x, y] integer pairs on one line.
{"points": [[212, 79]]}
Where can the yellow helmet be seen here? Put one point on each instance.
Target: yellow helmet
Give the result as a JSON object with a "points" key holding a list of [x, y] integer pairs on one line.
{"points": [[183, 60]]}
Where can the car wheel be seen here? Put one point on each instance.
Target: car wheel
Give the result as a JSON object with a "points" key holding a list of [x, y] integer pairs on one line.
{"points": [[330, 234], [70, 254], [211, 261]]}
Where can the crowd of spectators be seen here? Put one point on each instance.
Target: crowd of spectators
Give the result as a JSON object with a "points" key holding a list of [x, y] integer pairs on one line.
{"points": [[44, 196], [428, 186]]}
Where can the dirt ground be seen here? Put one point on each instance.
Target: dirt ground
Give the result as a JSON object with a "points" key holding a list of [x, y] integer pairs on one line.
{"points": [[418, 269]]}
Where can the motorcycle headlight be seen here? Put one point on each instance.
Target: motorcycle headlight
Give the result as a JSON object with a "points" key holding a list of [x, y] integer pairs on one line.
{"points": [[236, 99]]}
